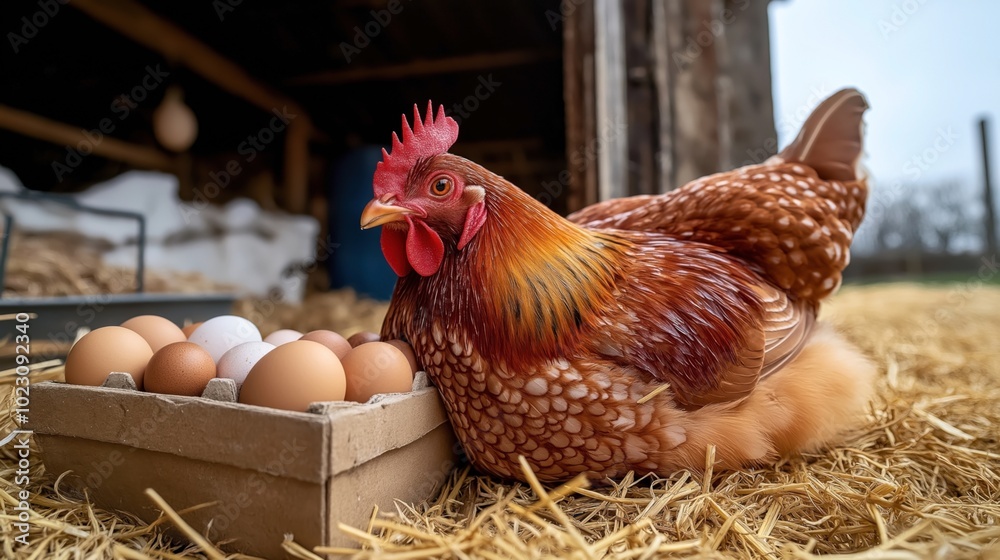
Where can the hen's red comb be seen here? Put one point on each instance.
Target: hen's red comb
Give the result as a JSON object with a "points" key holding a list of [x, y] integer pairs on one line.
{"points": [[433, 136]]}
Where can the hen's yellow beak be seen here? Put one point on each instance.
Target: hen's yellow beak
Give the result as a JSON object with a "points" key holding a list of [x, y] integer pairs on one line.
{"points": [[377, 213]]}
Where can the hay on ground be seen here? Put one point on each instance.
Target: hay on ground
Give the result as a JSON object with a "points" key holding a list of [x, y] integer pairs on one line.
{"points": [[920, 480], [65, 264]]}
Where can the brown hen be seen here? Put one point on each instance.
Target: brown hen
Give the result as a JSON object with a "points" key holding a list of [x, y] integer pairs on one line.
{"points": [[639, 331]]}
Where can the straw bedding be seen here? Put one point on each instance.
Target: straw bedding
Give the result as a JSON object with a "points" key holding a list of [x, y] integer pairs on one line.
{"points": [[63, 263], [920, 480]]}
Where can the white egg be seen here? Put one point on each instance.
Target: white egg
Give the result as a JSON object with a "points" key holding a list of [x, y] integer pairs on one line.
{"points": [[282, 336], [237, 362], [220, 334]]}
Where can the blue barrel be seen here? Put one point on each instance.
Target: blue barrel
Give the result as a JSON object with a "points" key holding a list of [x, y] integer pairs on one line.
{"points": [[358, 262]]}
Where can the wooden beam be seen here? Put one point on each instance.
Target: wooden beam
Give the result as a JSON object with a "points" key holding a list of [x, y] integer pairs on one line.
{"points": [[35, 126], [297, 164], [463, 63], [145, 27]]}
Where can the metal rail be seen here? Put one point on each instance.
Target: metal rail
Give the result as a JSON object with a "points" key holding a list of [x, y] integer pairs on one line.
{"points": [[72, 203]]}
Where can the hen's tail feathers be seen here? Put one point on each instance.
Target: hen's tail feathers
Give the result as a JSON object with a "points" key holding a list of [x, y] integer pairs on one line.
{"points": [[831, 138]]}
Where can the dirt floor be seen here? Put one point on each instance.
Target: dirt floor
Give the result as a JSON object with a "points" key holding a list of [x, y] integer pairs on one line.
{"points": [[921, 479]]}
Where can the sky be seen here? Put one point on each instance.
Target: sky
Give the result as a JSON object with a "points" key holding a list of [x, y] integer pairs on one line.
{"points": [[930, 69]]}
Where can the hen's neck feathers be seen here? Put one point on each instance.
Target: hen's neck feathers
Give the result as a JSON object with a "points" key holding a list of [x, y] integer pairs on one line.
{"points": [[533, 276]]}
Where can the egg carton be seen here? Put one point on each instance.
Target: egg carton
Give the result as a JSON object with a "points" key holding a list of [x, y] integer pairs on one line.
{"points": [[265, 472], [226, 390]]}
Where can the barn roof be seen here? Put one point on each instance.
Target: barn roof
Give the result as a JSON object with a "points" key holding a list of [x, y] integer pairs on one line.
{"points": [[351, 72]]}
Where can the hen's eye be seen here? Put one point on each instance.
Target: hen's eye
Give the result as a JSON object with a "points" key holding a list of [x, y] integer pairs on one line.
{"points": [[441, 187]]}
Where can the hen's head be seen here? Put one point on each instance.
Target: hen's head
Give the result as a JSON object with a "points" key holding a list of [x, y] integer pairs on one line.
{"points": [[425, 197]]}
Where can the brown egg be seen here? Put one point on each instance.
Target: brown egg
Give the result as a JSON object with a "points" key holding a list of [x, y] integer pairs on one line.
{"points": [[282, 336], [331, 340], [188, 329], [157, 331], [407, 351], [105, 350], [181, 368], [363, 337], [375, 368], [293, 375]]}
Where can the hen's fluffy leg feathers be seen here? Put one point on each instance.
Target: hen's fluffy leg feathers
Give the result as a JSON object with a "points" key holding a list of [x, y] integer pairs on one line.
{"points": [[800, 407]]}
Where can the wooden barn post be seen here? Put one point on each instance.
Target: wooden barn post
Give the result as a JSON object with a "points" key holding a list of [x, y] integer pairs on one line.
{"points": [[749, 127], [990, 218], [578, 94], [695, 80], [612, 118]]}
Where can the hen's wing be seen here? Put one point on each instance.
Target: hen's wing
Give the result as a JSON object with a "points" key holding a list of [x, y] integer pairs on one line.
{"points": [[700, 320], [785, 327]]}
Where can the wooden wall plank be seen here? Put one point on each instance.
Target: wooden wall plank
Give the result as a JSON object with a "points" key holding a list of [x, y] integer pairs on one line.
{"points": [[578, 93], [612, 116], [696, 76], [694, 52], [746, 84], [641, 99], [664, 24]]}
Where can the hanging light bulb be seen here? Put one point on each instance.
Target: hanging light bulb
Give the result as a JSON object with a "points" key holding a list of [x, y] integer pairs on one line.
{"points": [[174, 123]]}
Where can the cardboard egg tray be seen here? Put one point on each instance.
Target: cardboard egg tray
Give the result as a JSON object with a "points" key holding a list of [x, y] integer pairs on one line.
{"points": [[267, 472]]}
